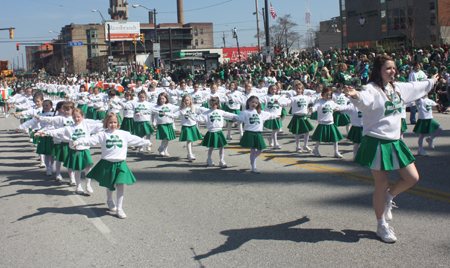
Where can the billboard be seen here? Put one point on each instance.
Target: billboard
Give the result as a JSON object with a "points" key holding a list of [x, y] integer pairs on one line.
{"points": [[231, 54], [122, 31]]}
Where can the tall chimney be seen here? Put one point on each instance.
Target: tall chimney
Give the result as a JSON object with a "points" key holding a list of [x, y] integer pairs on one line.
{"points": [[150, 17], [180, 11]]}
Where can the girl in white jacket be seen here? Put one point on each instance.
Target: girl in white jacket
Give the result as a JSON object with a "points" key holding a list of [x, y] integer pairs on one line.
{"points": [[189, 131], [215, 138], [111, 171], [253, 119], [426, 124]]}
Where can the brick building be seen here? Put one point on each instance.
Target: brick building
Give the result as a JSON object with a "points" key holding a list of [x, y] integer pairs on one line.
{"points": [[394, 23]]}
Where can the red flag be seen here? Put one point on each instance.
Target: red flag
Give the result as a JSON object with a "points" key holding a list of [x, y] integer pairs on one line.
{"points": [[272, 11]]}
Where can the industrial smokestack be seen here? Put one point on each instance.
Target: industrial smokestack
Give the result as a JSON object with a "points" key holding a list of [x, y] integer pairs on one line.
{"points": [[180, 11], [150, 17]]}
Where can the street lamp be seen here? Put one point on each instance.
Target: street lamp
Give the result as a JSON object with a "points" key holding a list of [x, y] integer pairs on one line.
{"points": [[103, 19], [154, 23]]}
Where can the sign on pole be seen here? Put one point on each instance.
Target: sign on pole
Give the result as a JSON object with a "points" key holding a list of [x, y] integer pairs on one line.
{"points": [[156, 50], [75, 44], [268, 51]]}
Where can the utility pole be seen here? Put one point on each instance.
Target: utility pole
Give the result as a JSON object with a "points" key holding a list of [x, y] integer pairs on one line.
{"points": [[266, 23], [170, 48], [257, 26], [223, 38]]}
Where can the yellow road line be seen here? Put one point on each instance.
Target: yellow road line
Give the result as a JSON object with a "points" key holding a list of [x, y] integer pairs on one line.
{"points": [[416, 190]]}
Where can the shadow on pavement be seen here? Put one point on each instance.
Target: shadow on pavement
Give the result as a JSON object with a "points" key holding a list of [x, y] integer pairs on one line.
{"points": [[80, 210], [285, 232]]}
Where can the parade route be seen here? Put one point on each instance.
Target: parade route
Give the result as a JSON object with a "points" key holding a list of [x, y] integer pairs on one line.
{"points": [[301, 211]]}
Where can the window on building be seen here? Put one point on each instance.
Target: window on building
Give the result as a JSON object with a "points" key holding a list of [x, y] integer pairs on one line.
{"points": [[196, 42], [342, 4], [381, 1], [195, 32], [201, 31], [383, 20], [201, 41], [432, 14]]}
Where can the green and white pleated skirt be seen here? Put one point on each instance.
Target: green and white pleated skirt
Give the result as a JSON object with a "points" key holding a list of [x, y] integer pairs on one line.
{"points": [[110, 173], [78, 160], [327, 133], [120, 118], [90, 113], [273, 124], [190, 133], [45, 146], [84, 108], [314, 116], [236, 112], [35, 139], [300, 125], [355, 134], [99, 115], [404, 125], [381, 154], [63, 152], [283, 112], [214, 139], [252, 139], [127, 124], [341, 119], [142, 128], [165, 131], [425, 126]]}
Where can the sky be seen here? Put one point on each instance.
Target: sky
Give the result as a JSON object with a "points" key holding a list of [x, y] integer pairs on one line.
{"points": [[33, 19]]}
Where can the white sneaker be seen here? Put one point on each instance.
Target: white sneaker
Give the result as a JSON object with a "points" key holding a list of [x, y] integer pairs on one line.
{"points": [[31, 140], [141, 151], [306, 148], [191, 157], [111, 205], [299, 150], [161, 151], [121, 214], [386, 233], [270, 141], [89, 190], [316, 153], [41, 165], [430, 143], [388, 210], [280, 131], [149, 148], [422, 152], [48, 172], [209, 162], [229, 137], [222, 164], [255, 170], [277, 146], [72, 183], [166, 154], [79, 190], [59, 178], [132, 147], [337, 155]]}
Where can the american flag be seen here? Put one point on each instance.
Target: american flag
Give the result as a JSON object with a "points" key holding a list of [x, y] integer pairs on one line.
{"points": [[272, 11]]}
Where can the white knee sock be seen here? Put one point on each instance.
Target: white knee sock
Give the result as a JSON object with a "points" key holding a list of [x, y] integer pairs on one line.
{"points": [[222, 153], [336, 147], [109, 194], [420, 141], [355, 149], [275, 136], [86, 171], [41, 157], [71, 175], [210, 152], [120, 191], [317, 145], [297, 141], [305, 139], [241, 132], [58, 168], [189, 147], [252, 157], [78, 177], [436, 132], [229, 125]]}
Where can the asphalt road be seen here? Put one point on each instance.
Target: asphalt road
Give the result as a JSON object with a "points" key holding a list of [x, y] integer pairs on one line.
{"points": [[301, 211]]}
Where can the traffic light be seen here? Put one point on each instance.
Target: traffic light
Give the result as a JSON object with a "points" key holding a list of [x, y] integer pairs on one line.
{"points": [[134, 39], [46, 46], [11, 34], [142, 38], [17, 46]]}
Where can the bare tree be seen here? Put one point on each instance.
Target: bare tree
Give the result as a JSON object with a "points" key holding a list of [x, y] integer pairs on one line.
{"points": [[282, 33], [54, 66]]}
